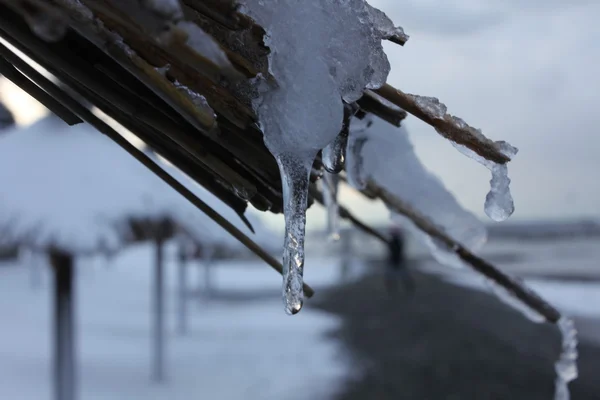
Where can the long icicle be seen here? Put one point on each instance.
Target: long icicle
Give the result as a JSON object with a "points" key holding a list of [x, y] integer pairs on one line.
{"points": [[295, 174]]}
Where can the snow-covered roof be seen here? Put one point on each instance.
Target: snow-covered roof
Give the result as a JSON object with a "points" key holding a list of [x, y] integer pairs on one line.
{"points": [[72, 188]]}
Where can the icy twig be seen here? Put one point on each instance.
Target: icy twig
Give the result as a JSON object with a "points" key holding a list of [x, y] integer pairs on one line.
{"points": [[516, 288], [370, 102], [87, 116], [431, 111]]}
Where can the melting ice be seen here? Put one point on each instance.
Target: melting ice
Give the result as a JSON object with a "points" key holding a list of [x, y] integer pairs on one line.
{"points": [[499, 203], [303, 112]]}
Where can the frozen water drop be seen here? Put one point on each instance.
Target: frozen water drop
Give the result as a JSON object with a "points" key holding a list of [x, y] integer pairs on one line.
{"points": [[295, 173], [330, 193], [334, 154], [499, 204], [566, 366]]}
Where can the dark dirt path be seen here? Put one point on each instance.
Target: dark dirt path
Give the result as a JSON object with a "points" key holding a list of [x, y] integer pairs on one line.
{"points": [[447, 342]]}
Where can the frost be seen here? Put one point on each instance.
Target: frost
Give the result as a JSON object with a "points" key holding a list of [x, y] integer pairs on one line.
{"points": [[431, 105], [320, 53], [163, 70], [389, 159], [385, 25], [295, 174], [330, 193], [499, 203], [566, 366]]}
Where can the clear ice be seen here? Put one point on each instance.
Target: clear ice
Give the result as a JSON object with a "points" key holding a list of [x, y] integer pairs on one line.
{"points": [[321, 52], [330, 184], [499, 204], [334, 154], [566, 366], [295, 173]]}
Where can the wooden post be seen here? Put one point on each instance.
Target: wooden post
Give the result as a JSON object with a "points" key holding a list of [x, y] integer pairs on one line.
{"points": [[158, 311], [63, 349], [182, 295]]}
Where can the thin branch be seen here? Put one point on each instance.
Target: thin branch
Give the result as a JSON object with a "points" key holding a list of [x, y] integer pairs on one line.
{"points": [[431, 111], [371, 102], [87, 116], [513, 286]]}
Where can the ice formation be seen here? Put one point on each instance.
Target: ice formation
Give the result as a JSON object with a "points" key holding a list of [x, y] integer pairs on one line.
{"points": [[334, 154], [321, 52], [330, 184], [566, 366], [389, 159], [499, 203]]}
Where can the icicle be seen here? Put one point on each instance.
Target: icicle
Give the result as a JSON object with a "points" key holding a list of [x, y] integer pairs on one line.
{"points": [[566, 366], [301, 110], [499, 203], [333, 156], [330, 191], [354, 162], [295, 175]]}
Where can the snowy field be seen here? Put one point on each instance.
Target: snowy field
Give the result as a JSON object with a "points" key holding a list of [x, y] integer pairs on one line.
{"points": [[233, 349]]}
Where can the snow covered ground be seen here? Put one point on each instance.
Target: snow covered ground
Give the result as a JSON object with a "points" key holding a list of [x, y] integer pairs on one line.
{"points": [[233, 349]]}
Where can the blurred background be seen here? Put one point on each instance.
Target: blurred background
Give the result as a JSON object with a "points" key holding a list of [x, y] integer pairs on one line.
{"points": [[524, 72]]}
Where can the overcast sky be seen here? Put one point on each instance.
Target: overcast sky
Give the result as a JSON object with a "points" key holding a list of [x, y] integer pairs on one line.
{"points": [[522, 71]]}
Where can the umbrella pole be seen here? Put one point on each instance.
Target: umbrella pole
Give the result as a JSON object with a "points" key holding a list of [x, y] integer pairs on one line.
{"points": [[63, 350], [158, 311], [182, 295]]}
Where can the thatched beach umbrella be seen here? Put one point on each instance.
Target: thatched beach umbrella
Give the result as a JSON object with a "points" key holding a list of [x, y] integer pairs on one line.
{"points": [[69, 192]]}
